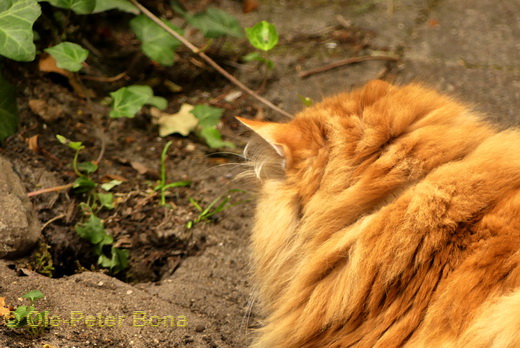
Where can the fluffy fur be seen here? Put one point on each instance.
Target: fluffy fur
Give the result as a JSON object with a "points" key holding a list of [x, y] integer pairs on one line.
{"points": [[396, 222]]}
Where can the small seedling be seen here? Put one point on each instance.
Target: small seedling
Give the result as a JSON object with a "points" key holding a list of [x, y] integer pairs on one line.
{"points": [[92, 229], [264, 37], [27, 317], [162, 187], [218, 205], [42, 260], [305, 100]]}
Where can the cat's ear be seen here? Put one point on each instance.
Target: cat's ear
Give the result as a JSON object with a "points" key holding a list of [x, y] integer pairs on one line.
{"points": [[278, 135]]}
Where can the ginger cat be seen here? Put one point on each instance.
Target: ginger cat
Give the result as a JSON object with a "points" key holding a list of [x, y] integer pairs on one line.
{"points": [[395, 222]]}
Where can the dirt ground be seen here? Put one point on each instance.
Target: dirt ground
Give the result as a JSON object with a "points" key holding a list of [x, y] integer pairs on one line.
{"points": [[190, 287]]}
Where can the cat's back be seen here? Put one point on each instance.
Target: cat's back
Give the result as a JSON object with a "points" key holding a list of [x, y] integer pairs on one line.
{"points": [[395, 223]]}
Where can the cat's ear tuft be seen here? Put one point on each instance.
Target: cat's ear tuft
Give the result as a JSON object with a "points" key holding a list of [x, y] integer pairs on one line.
{"points": [[274, 133]]}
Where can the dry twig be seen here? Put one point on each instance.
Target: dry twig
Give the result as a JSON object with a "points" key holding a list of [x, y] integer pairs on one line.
{"points": [[208, 60], [347, 61], [49, 189]]}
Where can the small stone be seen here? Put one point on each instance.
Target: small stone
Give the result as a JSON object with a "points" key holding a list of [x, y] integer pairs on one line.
{"points": [[200, 328]]}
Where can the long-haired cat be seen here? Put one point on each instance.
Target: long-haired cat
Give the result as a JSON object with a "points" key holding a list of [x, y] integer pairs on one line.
{"points": [[395, 222]]}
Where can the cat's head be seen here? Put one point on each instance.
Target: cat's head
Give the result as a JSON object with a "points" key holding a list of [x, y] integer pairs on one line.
{"points": [[330, 146]]}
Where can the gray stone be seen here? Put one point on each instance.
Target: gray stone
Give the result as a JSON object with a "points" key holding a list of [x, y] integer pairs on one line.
{"points": [[19, 226]]}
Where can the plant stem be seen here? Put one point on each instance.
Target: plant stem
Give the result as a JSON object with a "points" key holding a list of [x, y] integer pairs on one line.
{"points": [[208, 60], [75, 164]]}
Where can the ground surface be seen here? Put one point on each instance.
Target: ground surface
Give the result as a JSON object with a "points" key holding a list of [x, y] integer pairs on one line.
{"points": [[200, 276]]}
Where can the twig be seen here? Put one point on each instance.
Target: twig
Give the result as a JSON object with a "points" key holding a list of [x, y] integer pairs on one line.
{"points": [[210, 61], [347, 61], [49, 189], [103, 78], [61, 216]]}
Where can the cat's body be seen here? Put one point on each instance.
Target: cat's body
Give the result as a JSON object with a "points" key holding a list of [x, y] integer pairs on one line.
{"points": [[396, 223]]}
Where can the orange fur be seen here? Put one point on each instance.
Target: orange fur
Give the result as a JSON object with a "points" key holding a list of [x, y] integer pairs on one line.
{"points": [[396, 223]]}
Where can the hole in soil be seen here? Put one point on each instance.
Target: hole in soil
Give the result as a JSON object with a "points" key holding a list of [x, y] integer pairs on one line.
{"points": [[155, 237]]}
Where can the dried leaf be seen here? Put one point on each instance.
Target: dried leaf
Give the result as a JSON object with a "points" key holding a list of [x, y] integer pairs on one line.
{"points": [[32, 143], [4, 311], [139, 167], [48, 64], [249, 6], [182, 122]]}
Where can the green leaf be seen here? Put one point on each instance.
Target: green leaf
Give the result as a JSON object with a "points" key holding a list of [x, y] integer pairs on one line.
{"points": [[20, 316], [157, 44], [178, 7], [33, 295], [216, 23], [111, 184], [106, 200], [83, 184], [257, 57], [253, 56], [214, 139], [127, 101], [119, 259], [262, 36], [8, 109], [16, 36], [92, 230], [104, 261], [78, 6], [122, 5], [159, 102], [75, 145], [87, 167], [176, 184], [68, 55], [306, 100], [208, 116], [195, 204]]}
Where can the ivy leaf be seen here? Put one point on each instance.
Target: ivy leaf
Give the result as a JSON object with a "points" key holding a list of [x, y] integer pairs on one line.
{"points": [[122, 5], [78, 6], [92, 230], [111, 184], [215, 23], [20, 316], [119, 259], [127, 101], [106, 200], [182, 122], [83, 184], [68, 55], [87, 167], [208, 116], [16, 20], [8, 109], [262, 36], [159, 102], [33, 295], [214, 139], [157, 44]]}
